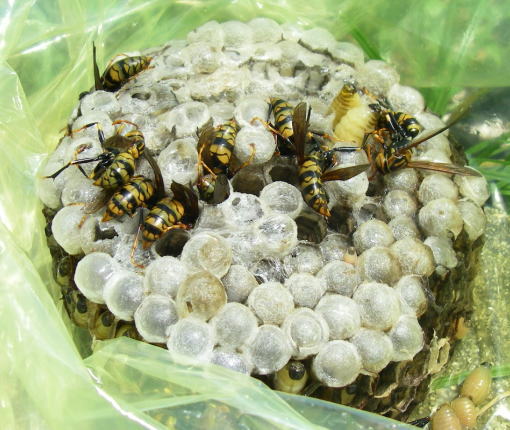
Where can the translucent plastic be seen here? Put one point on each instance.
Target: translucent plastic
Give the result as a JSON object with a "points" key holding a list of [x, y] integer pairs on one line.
{"points": [[45, 50]]}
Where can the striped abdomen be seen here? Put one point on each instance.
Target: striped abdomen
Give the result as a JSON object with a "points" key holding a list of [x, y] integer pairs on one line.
{"points": [[121, 71], [312, 189], [163, 215], [283, 113], [345, 100], [389, 164], [130, 197], [220, 150], [206, 186], [118, 173], [138, 143]]}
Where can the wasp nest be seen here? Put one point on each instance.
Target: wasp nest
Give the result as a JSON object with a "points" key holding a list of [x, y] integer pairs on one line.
{"points": [[261, 278]]}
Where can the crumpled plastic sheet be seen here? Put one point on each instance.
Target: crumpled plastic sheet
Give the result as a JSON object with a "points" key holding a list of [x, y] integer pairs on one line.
{"points": [[44, 64]]}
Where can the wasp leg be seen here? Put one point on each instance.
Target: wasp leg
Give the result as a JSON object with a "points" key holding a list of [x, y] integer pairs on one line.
{"points": [[272, 130], [135, 243], [248, 161], [125, 121], [204, 165], [100, 133], [100, 157]]}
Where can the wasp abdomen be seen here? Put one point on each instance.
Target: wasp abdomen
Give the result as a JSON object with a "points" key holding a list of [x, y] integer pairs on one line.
{"points": [[118, 173], [122, 70], [312, 189], [222, 146], [130, 197], [164, 214]]}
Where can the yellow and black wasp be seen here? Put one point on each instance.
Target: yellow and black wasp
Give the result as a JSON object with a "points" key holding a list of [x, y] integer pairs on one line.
{"points": [[314, 161], [389, 155], [119, 72], [215, 147]]}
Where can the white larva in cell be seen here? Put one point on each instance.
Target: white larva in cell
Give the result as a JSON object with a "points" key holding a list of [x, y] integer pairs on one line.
{"points": [[355, 123], [414, 257], [372, 233], [379, 305], [337, 364]]}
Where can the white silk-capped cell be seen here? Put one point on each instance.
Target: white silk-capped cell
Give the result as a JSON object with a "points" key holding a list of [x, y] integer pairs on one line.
{"points": [[235, 325], [66, 228], [232, 360], [304, 258], [123, 293], [436, 186], [404, 226], [340, 277], [333, 247], [271, 302], [282, 198], [337, 364], [210, 33], [242, 210], [342, 315], [208, 251], [375, 349], [474, 219], [307, 331], [270, 350], [346, 52], [407, 338], [276, 235], [474, 188], [442, 250], [406, 99], [402, 179], [412, 295], [379, 264], [191, 337], [201, 294], [414, 257], [178, 162], [440, 217], [379, 305], [92, 273], [239, 283], [237, 34], [80, 189], [399, 203], [377, 76], [372, 233], [254, 145], [154, 317], [306, 289], [164, 276]]}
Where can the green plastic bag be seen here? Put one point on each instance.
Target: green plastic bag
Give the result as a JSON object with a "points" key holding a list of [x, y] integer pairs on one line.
{"points": [[44, 65]]}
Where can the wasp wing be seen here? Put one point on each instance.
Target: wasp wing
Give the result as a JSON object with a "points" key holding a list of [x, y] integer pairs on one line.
{"points": [[221, 189], [444, 168], [97, 78], [188, 198], [205, 138], [159, 184], [456, 115], [344, 173], [300, 130], [101, 200]]}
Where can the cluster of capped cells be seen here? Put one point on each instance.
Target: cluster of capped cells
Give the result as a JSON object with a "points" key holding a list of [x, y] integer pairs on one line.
{"points": [[247, 291]]}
